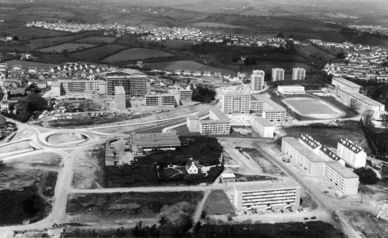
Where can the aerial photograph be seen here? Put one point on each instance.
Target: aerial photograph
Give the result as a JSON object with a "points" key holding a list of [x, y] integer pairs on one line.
{"points": [[194, 118]]}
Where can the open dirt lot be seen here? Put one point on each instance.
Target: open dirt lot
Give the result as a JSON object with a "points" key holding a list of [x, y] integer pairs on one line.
{"points": [[366, 224]]}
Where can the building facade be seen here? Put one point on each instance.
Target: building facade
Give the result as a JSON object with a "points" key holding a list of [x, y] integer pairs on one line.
{"points": [[264, 195], [351, 153], [291, 89], [160, 100], [233, 103], [257, 80], [83, 86], [267, 108], [120, 98], [263, 127], [298, 74], [343, 179], [134, 84], [277, 74]]}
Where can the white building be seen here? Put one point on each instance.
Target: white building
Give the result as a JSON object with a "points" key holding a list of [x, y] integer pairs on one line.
{"points": [[298, 74], [233, 103], [217, 124], [345, 85], [263, 127], [263, 195], [160, 100], [193, 123], [291, 89], [267, 108], [257, 80], [352, 154], [277, 74], [301, 156], [342, 178]]}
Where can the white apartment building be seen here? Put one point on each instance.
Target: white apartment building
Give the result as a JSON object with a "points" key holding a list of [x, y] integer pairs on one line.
{"points": [[301, 156], [343, 179], [277, 74], [263, 127], [120, 98], [348, 93], [298, 74], [263, 195], [160, 100], [257, 80], [351, 153], [291, 89], [218, 124], [267, 108], [233, 103]]}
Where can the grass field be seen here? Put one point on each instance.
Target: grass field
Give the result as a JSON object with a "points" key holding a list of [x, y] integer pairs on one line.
{"points": [[50, 41], [25, 33], [97, 40], [97, 53], [184, 65], [329, 135], [313, 108], [218, 203], [136, 54], [214, 25], [69, 47]]}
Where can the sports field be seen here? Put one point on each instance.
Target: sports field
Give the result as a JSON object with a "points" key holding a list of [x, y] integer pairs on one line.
{"points": [[313, 108]]}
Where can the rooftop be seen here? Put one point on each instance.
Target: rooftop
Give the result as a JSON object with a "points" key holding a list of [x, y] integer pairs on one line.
{"points": [[263, 122], [346, 82], [268, 101], [265, 185], [330, 153], [345, 172], [310, 141], [350, 145], [156, 139], [302, 149], [219, 114]]}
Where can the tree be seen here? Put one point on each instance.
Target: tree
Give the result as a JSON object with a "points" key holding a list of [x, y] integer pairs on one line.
{"points": [[367, 176], [203, 94]]}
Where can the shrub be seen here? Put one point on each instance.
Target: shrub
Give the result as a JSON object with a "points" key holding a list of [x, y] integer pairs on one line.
{"points": [[367, 176]]}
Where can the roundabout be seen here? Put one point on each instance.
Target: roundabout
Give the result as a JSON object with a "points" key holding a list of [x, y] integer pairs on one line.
{"points": [[66, 139]]}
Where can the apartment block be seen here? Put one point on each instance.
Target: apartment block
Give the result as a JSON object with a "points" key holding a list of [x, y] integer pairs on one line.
{"points": [[263, 127], [217, 124], [134, 84], [160, 100], [265, 195], [267, 108], [301, 156], [298, 74], [82, 86], [233, 103], [120, 98], [351, 153], [342, 178], [257, 80], [277, 74]]}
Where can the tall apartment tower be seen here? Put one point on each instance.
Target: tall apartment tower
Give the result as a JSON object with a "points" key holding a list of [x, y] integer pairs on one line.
{"points": [[298, 74], [257, 80], [134, 84], [233, 103], [277, 74]]}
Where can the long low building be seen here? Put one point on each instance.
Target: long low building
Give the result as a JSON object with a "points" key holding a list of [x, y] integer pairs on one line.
{"points": [[301, 156], [291, 89], [155, 141], [270, 194]]}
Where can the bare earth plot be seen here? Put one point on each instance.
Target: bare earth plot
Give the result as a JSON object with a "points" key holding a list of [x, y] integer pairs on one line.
{"points": [[136, 54], [218, 203], [69, 47], [366, 224]]}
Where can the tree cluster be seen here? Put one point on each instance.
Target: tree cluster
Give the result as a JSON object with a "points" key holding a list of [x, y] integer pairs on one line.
{"points": [[203, 94], [367, 176]]}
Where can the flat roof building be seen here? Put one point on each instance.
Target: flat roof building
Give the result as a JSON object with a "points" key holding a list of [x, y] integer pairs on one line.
{"points": [[121, 101], [277, 74], [267, 108], [351, 153], [155, 141], [134, 83], [298, 74], [263, 127], [342, 178], [257, 80], [291, 89], [234, 103], [270, 194]]}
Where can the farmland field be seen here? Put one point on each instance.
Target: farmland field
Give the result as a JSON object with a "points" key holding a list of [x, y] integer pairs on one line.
{"points": [[25, 33], [184, 65], [96, 53], [97, 40], [136, 54], [214, 25], [70, 47], [49, 41]]}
